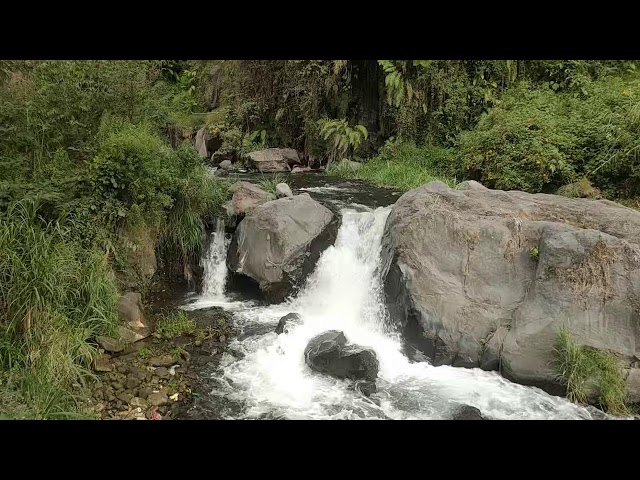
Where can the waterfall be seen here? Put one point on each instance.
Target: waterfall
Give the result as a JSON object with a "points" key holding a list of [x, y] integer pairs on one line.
{"points": [[215, 263], [345, 293]]}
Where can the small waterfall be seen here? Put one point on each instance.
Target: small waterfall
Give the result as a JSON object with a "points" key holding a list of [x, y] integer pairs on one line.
{"points": [[345, 293], [215, 263]]}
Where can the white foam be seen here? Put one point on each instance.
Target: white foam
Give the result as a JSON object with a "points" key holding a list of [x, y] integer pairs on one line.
{"points": [[345, 293]]}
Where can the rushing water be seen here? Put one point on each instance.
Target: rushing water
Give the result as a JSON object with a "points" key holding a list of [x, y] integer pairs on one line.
{"points": [[344, 293], [214, 263]]}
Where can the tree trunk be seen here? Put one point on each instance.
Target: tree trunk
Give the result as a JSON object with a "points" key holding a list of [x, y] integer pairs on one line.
{"points": [[366, 96]]}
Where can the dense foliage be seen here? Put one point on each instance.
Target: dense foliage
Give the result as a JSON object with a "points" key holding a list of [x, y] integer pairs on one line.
{"points": [[88, 180], [97, 167]]}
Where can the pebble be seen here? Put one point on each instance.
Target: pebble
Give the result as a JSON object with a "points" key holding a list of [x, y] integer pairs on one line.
{"points": [[157, 399], [125, 397], [132, 382]]}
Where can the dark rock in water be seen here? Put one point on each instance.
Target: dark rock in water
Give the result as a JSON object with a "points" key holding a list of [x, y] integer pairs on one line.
{"points": [[286, 321], [327, 353], [366, 388], [467, 412]]}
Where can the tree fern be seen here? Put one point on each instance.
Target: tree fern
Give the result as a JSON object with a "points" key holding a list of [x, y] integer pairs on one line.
{"points": [[345, 138]]}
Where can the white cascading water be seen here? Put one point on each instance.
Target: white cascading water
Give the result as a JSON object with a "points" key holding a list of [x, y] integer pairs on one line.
{"points": [[345, 293], [214, 263]]}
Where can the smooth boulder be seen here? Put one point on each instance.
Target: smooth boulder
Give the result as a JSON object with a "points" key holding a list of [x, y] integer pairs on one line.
{"points": [[328, 353], [271, 160], [278, 244], [283, 190], [480, 277], [285, 322]]}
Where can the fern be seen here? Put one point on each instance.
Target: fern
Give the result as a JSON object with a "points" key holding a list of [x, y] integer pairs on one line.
{"points": [[345, 138], [400, 88]]}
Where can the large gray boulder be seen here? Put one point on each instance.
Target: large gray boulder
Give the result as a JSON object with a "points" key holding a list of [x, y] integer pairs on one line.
{"points": [[279, 243], [479, 277], [273, 159]]}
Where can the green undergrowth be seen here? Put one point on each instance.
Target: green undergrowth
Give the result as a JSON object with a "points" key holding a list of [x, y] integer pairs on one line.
{"points": [[583, 369], [55, 297], [175, 324], [403, 166]]}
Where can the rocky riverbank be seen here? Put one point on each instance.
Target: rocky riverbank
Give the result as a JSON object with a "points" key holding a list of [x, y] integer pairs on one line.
{"points": [[159, 377]]}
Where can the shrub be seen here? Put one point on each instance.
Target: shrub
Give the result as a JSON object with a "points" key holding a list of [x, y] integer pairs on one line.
{"points": [[523, 144], [133, 167], [404, 166]]}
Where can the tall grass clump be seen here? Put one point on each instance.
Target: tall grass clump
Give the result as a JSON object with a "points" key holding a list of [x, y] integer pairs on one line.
{"points": [[198, 198], [583, 369], [268, 184], [404, 166], [55, 297]]}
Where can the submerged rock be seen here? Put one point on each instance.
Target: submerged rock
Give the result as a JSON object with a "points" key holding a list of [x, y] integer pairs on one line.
{"points": [[279, 243], [328, 353], [285, 322], [467, 412], [480, 277]]}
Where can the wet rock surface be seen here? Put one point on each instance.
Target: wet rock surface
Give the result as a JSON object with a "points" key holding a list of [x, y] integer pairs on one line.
{"points": [[287, 321], [278, 244], [328, 353]]}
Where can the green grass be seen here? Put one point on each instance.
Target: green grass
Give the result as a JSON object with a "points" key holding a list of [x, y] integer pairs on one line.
{"points": [[403, 166], [175, 324], [268, 184], [145, 353], [55, 298], [198, 197], [582, 368]]}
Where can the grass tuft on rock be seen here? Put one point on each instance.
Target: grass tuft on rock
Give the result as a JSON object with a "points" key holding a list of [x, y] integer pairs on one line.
{"points": [[583, 369]]}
